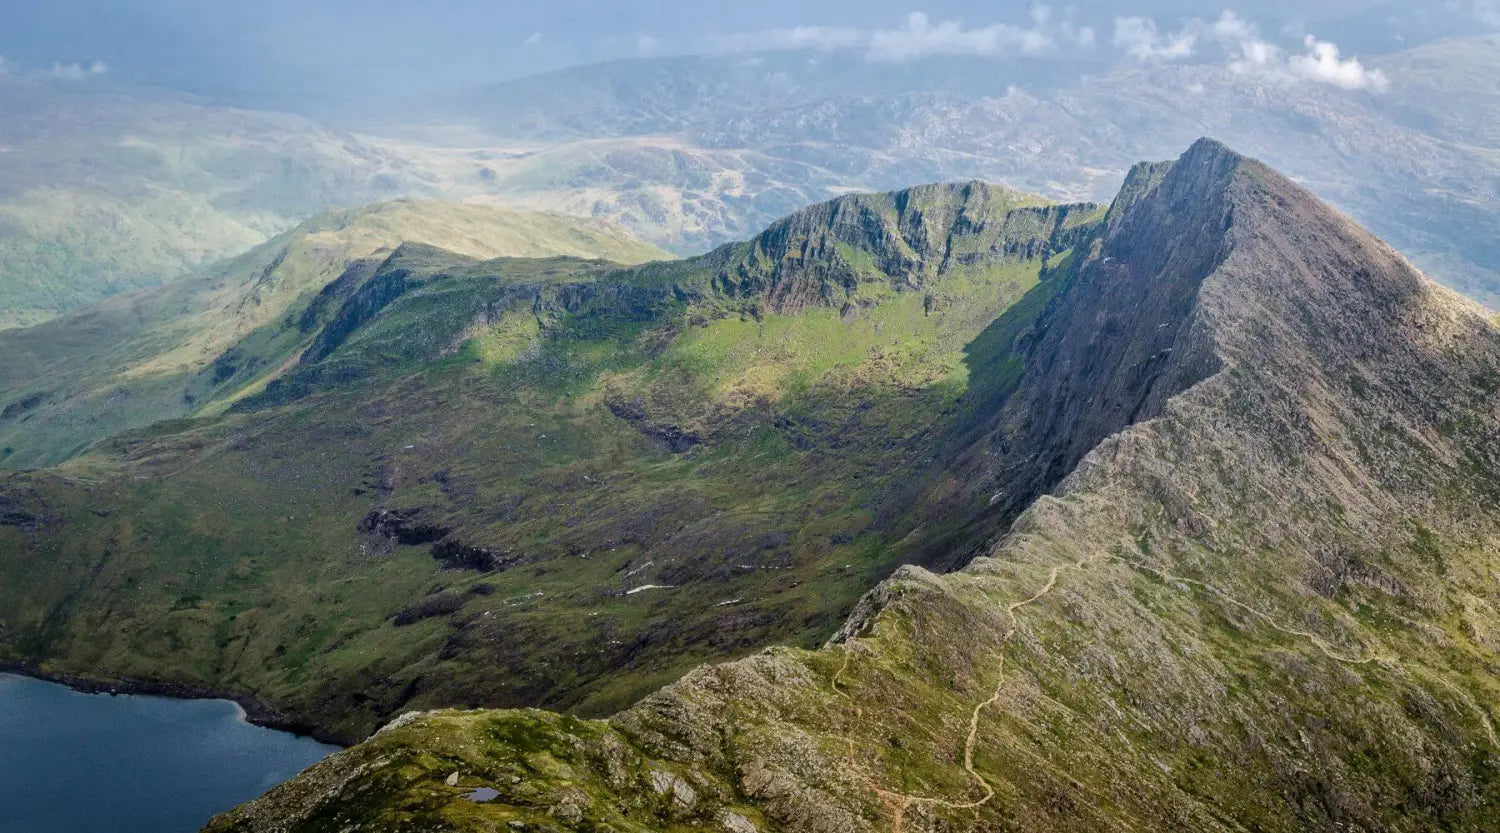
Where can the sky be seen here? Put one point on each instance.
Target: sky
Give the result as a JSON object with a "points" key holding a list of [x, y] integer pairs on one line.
{"points": [[271, 52]]}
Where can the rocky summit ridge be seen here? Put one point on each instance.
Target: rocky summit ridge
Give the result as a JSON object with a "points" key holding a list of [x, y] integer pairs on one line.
{"points": [[1257, 592]]}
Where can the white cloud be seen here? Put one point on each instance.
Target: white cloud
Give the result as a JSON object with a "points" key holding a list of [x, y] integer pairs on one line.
{"points": [[1143, 41], [533, 39], [1257, 57], [647, 45], [1323, 65], [1485, 11], [78, 72], [1231, 28], [1250, 55], [919, 36], [821, 38]]}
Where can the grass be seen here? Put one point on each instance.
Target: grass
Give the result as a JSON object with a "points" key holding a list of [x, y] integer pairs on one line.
{"points": [[202, 343]]}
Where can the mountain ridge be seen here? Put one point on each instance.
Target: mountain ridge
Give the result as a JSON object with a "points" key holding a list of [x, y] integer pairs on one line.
{"points": [[166, 352], [469, 444], [1305, 520]]}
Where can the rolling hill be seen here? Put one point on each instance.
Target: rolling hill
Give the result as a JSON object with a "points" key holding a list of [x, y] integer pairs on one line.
{"points": [[160, 353]]}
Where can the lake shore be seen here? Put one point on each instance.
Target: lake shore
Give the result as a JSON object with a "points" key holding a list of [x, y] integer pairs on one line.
{"points": [[256, 712]]}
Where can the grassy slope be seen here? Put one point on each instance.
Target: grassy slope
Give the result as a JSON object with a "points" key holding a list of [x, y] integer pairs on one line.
{"points": [[140, 357], [489, 402], [1268, 608]]}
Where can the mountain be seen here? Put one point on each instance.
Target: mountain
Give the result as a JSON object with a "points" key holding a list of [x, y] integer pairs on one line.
{"points": [[106, 190], [1255, 591], [160, 353], [110, 189], [542, 482], [1414, 163]]}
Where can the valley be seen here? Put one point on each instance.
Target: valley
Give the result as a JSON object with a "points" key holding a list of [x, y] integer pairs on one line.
{"points": [[518, 478]]}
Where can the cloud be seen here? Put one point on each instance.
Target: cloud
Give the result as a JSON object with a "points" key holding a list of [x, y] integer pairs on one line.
{"points": [[647, 44], [1487, 11], [1250, 55], [796, 38], [1231, 28], [1323, 65], [1143, 41], [1320, 64], [532, 40], [919, 36], [77, 72]]}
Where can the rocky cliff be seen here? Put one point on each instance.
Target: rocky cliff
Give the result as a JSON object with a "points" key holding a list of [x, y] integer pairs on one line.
{"points": [[901, 240]]}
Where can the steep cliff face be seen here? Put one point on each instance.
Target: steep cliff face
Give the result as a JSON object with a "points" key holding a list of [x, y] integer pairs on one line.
{"points": [[824, 254], [1118, 338], [1265, 601]]}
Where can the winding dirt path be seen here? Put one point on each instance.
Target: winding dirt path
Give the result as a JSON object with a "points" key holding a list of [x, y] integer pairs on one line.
{"points": [[898, 803], [1319, 642]]}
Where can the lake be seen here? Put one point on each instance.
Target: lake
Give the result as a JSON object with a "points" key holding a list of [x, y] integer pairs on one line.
{"points": [[87, 763]]}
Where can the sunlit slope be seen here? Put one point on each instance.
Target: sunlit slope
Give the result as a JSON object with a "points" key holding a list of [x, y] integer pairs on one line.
{"points": [[160, 353]]}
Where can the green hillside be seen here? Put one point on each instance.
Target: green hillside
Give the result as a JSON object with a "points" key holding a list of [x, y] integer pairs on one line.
{"points": [[161, 353], [547, 482]]}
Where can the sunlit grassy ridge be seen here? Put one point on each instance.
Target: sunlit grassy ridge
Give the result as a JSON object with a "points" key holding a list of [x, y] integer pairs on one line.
{"points": [[178, 349]]}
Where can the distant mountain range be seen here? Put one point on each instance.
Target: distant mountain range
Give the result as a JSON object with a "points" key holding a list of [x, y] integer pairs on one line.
{"points": [[111, 189]]}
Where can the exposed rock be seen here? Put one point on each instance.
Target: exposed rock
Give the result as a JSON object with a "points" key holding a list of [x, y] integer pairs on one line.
{"points": [[674, 438], [668, 784], [403, 526], [456, 555], [440, 604]]}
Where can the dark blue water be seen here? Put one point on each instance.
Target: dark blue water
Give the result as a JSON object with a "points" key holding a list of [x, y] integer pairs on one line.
{"points": [[92, 763]]}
